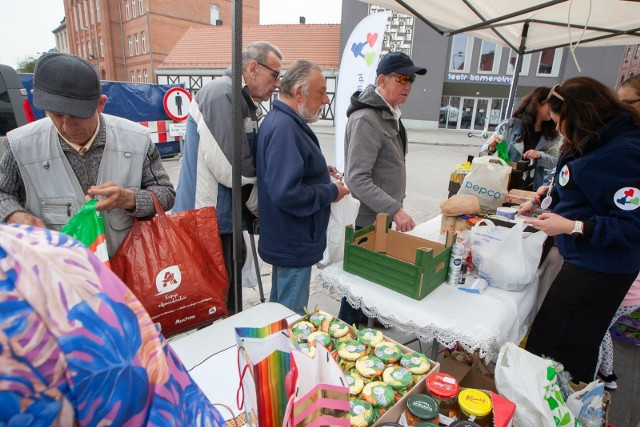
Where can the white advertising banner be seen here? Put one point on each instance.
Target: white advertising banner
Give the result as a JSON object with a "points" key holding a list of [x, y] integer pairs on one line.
{"points": [[357, 70]]}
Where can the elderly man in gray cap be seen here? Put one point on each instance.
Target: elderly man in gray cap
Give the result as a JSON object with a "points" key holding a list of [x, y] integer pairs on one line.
{"points": [[53, 164], [376, 147]]}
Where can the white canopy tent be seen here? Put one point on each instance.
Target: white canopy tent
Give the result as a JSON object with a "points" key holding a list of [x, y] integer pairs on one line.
{"points": [[529, 26]]}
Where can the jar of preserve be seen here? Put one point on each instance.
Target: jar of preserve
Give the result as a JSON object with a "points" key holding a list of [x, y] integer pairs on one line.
{"points": [[463, 423], [475, 406], [421, 408], [444, 389]]}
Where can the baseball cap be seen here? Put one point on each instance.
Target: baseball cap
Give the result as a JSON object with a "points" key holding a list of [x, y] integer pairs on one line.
{"points": [[66, 84], [399, 63]]}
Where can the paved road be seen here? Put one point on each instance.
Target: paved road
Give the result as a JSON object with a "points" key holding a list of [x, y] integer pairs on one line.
{"points": [[428, 170]]}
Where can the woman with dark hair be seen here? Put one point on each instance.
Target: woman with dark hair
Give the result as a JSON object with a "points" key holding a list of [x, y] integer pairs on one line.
{"points": [[530, 134], [595, 216]]}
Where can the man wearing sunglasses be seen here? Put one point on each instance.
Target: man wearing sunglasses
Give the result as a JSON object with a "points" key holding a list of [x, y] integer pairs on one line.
{"points": [[376, 147], [205, 173]]}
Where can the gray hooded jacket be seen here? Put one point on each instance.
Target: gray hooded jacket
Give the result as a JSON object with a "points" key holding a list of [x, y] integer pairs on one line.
{"points": [[375, 150]]}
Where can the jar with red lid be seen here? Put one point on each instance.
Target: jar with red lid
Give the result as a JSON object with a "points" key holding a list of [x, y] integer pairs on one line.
{"points": [[444, 388]]}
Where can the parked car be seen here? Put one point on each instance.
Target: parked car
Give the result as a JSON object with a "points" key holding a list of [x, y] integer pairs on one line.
{"points": [[14, 106]]}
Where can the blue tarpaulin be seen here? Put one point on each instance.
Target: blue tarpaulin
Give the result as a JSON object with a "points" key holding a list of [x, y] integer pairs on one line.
{"points": [[138, 102]]}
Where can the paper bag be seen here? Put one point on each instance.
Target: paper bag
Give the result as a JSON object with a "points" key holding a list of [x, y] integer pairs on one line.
{"points": [[276, 379]]}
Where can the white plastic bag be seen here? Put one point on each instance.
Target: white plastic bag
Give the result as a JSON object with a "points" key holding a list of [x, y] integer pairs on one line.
{"points": [[343, 213], [532, 384], [488, 181], [249, 273], [507, 258]]}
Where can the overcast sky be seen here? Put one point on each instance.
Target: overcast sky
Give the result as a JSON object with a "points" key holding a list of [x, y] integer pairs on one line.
{"points": [[26, 25]]}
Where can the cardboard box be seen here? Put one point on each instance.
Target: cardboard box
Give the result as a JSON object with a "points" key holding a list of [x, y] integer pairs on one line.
{"points": [[419, 387], [406, 264], [394, 413], [503, 408]]}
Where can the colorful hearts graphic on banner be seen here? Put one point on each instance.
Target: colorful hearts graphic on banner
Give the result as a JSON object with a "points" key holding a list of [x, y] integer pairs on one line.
{"points": [[369, 57], [371, 38]]}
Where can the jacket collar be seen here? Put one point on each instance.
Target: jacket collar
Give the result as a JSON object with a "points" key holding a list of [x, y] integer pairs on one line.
{"points": [[284, 108]]}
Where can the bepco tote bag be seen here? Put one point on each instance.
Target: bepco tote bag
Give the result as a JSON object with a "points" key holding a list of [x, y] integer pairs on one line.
{"points": [[488, 181]]}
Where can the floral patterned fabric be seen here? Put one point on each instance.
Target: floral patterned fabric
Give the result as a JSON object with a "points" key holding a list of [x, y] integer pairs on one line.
{"points": [[76, 346]]}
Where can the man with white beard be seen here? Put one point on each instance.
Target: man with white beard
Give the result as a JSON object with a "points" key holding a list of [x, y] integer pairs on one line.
{"points": [[295, 191]]}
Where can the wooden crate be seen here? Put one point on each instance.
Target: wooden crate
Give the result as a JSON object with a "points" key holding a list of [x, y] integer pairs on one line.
{"points": [[406, 264]]}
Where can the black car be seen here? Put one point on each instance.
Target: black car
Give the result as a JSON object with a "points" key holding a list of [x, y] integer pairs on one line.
{"points": [[13, 98]]}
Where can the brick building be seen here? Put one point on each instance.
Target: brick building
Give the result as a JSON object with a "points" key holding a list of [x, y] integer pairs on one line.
{"points": [[128, 39]]}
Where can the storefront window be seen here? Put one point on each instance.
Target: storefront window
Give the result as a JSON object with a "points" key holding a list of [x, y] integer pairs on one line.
{"points": [[461, 50], [490, 54]]}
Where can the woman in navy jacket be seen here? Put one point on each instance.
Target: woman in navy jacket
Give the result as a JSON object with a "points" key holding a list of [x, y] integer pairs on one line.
{"points": [[595, 216]]}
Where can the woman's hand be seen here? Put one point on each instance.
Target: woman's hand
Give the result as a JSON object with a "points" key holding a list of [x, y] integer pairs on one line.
{"points": [[532, 155], [552, 224], [526, 209], [492, 142]]}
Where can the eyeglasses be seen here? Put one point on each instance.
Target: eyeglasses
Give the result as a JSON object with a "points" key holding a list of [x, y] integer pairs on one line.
{"points": [[276, 74], [405, 80], [554, 92], [630, 101]]}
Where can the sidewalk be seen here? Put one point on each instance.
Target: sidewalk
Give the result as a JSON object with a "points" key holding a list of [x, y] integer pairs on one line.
{"points": [[441, 137]]}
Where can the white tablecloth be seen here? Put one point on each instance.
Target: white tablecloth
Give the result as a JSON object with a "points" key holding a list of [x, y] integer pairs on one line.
{"points": [[482, 322]]}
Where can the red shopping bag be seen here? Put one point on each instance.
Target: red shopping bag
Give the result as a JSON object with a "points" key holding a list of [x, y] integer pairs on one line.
{"points": [[174, 265]]}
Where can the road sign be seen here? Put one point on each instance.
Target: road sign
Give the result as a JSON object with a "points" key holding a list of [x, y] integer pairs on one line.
{"points": [[176, 103]]}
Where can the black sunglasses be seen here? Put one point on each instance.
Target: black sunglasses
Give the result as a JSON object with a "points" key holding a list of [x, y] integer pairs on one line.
{"points": [[276, 74]]}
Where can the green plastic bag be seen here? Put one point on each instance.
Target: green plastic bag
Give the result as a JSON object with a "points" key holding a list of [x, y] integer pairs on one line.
{"points": [[87, 226], [503, 151]]}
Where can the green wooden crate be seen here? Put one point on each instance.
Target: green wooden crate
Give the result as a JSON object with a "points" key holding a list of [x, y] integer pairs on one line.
{"points": [[406, 264]]}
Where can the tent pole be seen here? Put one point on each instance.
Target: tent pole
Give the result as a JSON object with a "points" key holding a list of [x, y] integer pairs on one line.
{"points": [[236, 175], [516, 71]]}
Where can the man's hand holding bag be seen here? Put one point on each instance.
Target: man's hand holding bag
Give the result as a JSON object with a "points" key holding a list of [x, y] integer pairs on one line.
{"points": [[174, 265]]}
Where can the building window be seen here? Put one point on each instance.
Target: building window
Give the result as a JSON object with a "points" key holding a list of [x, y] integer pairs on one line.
{"points": [[139, 77], [133, 76], [93, 18], [75, 17], [549, 64], [86, 14], [98, 10], [90, 50], [511, 65], [146, 75], [144, 42], [141, 4], [134, 8], [84, 51], [137, 43], [130, 46], [628, 55], [461, 50], [101, 48], [490, 54], [214, 10], [127, 9]]}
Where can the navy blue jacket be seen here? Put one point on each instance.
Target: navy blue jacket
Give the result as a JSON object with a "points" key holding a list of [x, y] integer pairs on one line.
{"points": [[295, 191], [602, 188]]}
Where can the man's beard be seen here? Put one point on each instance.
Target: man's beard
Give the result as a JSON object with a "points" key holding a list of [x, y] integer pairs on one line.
{"points": [[307, 116]]}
